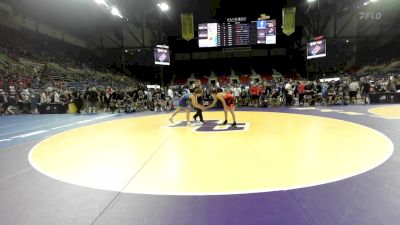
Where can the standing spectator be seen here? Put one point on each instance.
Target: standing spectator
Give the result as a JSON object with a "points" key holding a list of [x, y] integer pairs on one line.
{"points": [[199, 113], [113, 101], [26, 99], [365, 90], [56, 97], [260, 93], [63, 97], [236, 92], [49, 97], [353, 90], [288, 87], [85, 99], [163, 100], [325, 94], [128, 106], [340, 91], [391, 86], [301, 90], [156, 100], [93, 99], [107, 99], [77, 99], [254, 95], [308, 93], [268, 89], [142, 99], [171, 98], [135, 98], [243, 97], [19, 100], [289, 97], [397, 81], [43, 98], [120, 99], [101, 93], [34, 101]]}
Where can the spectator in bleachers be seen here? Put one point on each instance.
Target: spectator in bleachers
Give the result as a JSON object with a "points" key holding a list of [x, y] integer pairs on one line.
{"points": [[380, 88]]}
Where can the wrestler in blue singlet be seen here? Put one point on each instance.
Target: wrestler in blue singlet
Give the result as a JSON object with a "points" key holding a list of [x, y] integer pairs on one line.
{"points": [[184, 101]]}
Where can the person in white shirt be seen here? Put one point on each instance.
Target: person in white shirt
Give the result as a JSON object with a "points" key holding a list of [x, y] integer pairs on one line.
{"points": [[236, 92], [170, 93], [171, 98], [288, 89], [288, 86], [43, 98], [49, 96], [25, 95], [353, 90], [56, 97]]}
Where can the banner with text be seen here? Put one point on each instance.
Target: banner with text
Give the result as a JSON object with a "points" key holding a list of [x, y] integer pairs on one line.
{"points": [[289, 20], [187, 26]]}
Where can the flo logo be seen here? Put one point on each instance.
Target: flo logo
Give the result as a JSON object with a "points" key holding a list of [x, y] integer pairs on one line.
{"points": [[214, 126], [370, 15], [162, 57]]}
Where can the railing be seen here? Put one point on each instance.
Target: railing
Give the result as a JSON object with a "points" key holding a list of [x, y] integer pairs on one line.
{"points": [[386, 97]]}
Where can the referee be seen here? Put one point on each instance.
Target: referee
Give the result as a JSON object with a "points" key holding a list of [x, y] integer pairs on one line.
{"points": [[199, 113]]}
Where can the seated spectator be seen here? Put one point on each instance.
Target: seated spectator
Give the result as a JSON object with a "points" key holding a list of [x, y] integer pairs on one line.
{"points": [[5, 104]]}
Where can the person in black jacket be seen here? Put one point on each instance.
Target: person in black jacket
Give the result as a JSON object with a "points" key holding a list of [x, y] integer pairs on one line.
{"points": [[199, 112], [77, 99]]}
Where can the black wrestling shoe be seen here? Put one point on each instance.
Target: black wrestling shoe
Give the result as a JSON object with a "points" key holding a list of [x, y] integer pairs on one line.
{"points": [[233, 125], [224, 123]]}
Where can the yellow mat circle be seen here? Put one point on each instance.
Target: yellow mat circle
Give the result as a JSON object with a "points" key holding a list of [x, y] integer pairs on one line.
{"points": [[388, 112], [278, 151]]}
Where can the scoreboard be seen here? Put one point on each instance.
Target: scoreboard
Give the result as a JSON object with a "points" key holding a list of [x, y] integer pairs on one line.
{"points": [[316, 49], [237, 34], [161, 55]]}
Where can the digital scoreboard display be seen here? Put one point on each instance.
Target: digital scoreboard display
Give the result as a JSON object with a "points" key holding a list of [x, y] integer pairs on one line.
{"points": [[161, 55], [237, 34], [316, 49]]}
